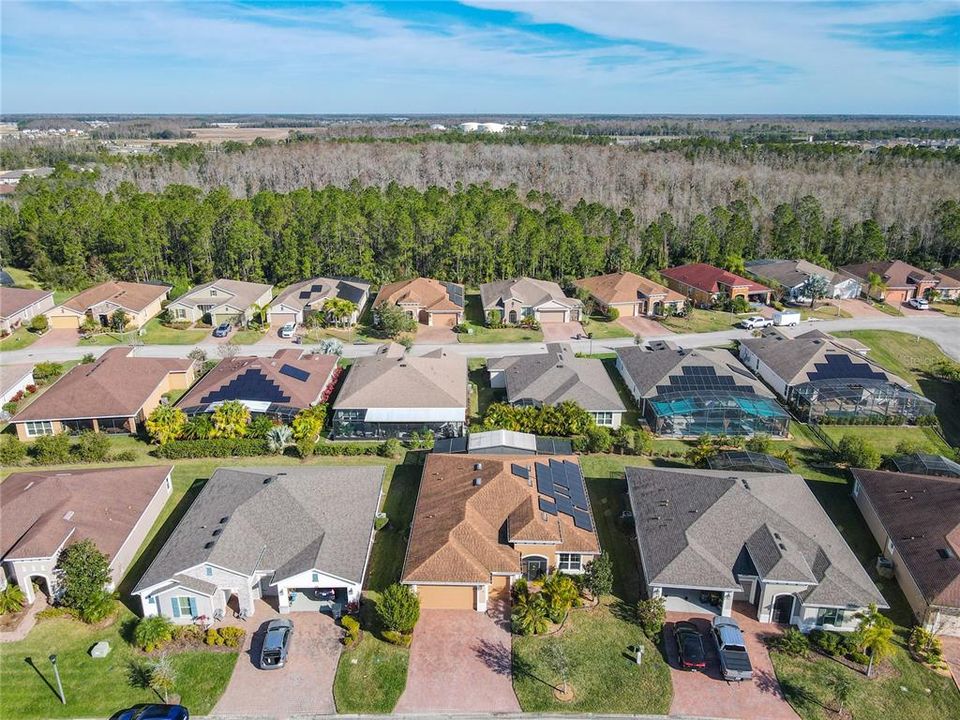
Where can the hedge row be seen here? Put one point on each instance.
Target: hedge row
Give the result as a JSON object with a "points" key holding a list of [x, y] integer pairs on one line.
{"points": [[219, 447], [346, 449]]}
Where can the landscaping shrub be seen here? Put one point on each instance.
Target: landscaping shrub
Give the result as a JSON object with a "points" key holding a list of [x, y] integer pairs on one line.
{"points": [[152, 633], [347, 449], [38, 324], [124, 456], [399, 608], [791, 642], [529, 614], [213, 637], [192, 634], [856, 451], [88, 358], [612, 314], [651, 616], [12, 451], [398, 638], [10, 408], [44, 372], [31, 388], [599, 575], [380, 522], [84, 571], [926, 645], [829, 643], [166, 424], [759, 443], [91, 447], [12, 599], [565, 420], [260, 426], [51, 449], [599, 439], [213, 447], [232, 637], [560, 593], [861, 658], [391, 448], [352, 627]]}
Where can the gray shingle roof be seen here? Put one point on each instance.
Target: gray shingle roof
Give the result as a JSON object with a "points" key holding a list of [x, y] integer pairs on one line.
{"points": [[693, 524], [788, 273], [558, 376], [316, 291], [649, 368], [304, 518], [528, 291]]}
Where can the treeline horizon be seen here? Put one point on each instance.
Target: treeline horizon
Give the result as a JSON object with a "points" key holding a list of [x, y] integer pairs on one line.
{"points": [[70, 236]]}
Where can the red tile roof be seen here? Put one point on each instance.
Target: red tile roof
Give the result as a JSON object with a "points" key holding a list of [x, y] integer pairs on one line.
{"points": [[710, 279]]}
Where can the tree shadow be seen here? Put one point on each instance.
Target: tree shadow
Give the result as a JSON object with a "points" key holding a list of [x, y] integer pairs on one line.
{"points": [[496, 656], [522, 667], [29, 661], [624, 611]]}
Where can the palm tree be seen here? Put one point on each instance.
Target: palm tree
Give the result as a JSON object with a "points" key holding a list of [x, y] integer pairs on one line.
{"points": [[876, 285], [875, 635], [199, 427], [339, 309], [279, 438], [230, 420], [166, 423], [529, 616]]}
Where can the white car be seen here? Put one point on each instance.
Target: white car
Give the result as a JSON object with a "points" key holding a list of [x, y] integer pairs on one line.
{"points": [[287, 330], [756, 321], [919, 304]]}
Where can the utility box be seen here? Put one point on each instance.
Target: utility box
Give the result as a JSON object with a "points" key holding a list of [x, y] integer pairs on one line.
{"points": [[100, 650]]}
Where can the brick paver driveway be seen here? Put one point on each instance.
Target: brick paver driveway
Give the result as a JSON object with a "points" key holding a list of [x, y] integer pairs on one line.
{"points": [[644, 327], [56, 339], [303, 686], [435, 335], [707, 695], [561, 332], [951, 653], [859, 308], [459, 662]]}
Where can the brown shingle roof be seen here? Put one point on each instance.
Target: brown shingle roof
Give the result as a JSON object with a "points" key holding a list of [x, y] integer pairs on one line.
{"points": [[456, 534], [42, 509], [13, 300], [921, 514], [243, 294], [431, 295], [113, 386], [709, 278], [896, 273], [624, 287], [130, 296]]}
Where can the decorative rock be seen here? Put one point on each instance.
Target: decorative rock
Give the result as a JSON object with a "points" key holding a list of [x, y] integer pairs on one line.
{"points": [[100, 650]]}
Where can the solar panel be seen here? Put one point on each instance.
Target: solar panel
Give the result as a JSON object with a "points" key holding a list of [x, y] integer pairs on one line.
{"points": [[316, 288], [564, 505], [544, 480], [839, 366], [252, 385], [294, 372], [581, 519], [520, 471], [559, 475], [304, 295], [547, 506]]}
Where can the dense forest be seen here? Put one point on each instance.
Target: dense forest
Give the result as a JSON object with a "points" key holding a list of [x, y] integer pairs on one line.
{"points": [[71, 235]]}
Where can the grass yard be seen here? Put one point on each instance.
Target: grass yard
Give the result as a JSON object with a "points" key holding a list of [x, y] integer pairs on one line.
{"points": [[597, 644], [475, 320], [698, 320], [247, 337], [603, 329], [482, 395], [18, 340], [949, 308], [105, 339], [822, 312], [97, 688], [886, 438], [156, 334], [910, 691]]}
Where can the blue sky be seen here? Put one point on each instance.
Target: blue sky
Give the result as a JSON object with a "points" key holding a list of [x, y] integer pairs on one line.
{"points": [[482, 56]]}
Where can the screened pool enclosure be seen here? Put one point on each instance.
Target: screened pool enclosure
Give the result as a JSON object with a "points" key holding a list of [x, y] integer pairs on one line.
{"points": [[734, 411], [840, 398]]}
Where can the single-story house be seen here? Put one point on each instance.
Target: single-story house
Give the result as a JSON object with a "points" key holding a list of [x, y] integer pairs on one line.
{"points": [[140, 302], [916, 522], [18, 307], [901, 281], [822, 376], [298, 537], [559, 376], [113, 394], [44, 512], [482, 521], [504, 442], [14, 379], [791, 275], [279, 386], [631, 295], [684, 393], [709, 538], [295, 303], [705, 284], [225, 301], [392, 394], [429, 302], [520, 298]]}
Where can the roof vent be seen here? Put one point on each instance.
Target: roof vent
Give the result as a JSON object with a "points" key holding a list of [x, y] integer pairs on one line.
{"points": [[945, 553], [268, 480], [224, 519], [209, 545], [68, 515], [477, 481], [217, 532], [746, 485], [781, 546], [478, 466], [29, 485]]}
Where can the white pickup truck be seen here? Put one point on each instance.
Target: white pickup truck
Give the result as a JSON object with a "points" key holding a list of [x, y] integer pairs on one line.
{"points": [[755, 321]]}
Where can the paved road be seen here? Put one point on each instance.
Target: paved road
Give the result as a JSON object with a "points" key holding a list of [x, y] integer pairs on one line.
{"points": [[943, 330]]}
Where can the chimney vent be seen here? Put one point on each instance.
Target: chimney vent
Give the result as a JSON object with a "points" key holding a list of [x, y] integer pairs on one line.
{"points": [[477, 481]]}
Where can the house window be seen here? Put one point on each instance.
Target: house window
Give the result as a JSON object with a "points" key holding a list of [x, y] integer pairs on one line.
{"points": [[315, 577], [213, 292], [209, 571], [570, 562], [831, 616], [184, 606], [603, 418], [38, 428], [179, 313]]}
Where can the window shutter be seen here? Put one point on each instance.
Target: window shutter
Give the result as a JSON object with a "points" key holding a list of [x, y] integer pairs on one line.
{"points": [[193, 607], [175, 604]]}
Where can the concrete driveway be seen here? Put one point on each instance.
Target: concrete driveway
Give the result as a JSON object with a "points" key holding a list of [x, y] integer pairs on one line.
{"points": [[561, 332], [56, 339], [436, 335], [460, 661], [303, 686], [707, 695], [644, 326]]}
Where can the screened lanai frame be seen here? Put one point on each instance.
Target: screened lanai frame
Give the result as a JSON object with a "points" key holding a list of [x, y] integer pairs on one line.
{"points": [[747, 461], [717, 412], [860, 398], [926, 464]]}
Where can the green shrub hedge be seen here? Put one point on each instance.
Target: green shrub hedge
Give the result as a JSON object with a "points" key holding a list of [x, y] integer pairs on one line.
{"points": [[218, 447], [351, 449]]}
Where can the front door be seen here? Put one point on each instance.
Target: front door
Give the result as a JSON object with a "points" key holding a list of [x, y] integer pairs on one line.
{"points": [[104, 320], [782, 610], [534, 568]]}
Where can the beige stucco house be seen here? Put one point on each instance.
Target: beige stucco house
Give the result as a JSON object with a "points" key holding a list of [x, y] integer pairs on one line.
{"points": [[230, 301], [19, 306], [140, 301]]}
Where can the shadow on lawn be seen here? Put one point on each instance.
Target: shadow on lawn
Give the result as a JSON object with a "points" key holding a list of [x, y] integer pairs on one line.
{"points": [[29, 661]]}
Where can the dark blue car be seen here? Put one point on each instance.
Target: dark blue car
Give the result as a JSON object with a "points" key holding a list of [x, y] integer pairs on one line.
{"points": [[222, 330], [154, 712]]}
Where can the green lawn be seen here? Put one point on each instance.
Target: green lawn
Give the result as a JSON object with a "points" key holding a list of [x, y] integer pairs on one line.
{"points": [[247, 337], [18, 340], [887, 308], [156, 334], [106, 338], [475, 320], [886, 438], [484, 395], [910, 691], [603, 329], [97, 688], [698, 320], [948, 308], [823, 312], [598, 646]]}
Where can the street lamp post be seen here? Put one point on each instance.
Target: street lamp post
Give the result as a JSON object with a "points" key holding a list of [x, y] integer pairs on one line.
{"points": [[56, 674]]}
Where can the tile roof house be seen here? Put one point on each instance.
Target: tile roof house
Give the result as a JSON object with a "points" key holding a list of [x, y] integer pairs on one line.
{"points": [[429, 302], [524, 297], [916, 522], [115, 393], [691, 392], [279, 386], [820, 375], [392, 394], [230, 301], [504, 442], [299, 537], [302, 299], [482, 521], [791, 275], [18, 306], [140, 301], [14, 379], [44, 512], [708, 538], [903, 281], [704, 284], [559, 376], [631, 294]]}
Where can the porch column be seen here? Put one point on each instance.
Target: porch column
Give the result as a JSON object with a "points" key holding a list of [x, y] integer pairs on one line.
{"points": [[481, 595], [96, 425], [283, 599], [727, 603]]}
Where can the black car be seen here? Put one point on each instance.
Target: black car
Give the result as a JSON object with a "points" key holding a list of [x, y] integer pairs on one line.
{"points": [[222, 330], [689, 646], [276, 644], [154, 712]]}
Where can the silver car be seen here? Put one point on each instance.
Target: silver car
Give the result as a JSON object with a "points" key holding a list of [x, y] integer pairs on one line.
{"points": [[288, 329], [276, 644]]}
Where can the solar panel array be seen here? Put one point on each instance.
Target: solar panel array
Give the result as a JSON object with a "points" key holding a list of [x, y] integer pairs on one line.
{"points": [[252, 385], [294, 372], [698, 377], [520, 471], [562, 483], [450, 445], [305, 294], [455, 293], [316, 288], [841, 367], [346, 291]]}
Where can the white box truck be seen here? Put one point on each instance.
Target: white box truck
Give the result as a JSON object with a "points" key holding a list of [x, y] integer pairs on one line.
{"points": [[786, 318]]}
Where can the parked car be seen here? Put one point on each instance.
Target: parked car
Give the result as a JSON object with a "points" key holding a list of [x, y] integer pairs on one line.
{"points": [[222, 330], [755, 321], [919, 303], [154, 712], [734, 660], [287, 330], [689, 646], [276, 644], [786, 318]]}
